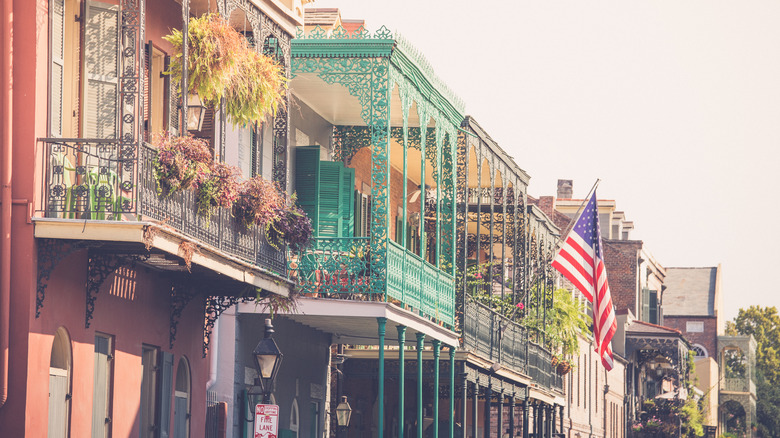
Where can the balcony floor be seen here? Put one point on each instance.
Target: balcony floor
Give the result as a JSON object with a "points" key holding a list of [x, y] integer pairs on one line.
{"points": [[165, 241]]}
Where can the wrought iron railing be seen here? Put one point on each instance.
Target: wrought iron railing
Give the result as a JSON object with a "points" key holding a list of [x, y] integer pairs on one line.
{"points": [[341, 267], [416, 283], [736, 384], [498, 339], [89, 179]]}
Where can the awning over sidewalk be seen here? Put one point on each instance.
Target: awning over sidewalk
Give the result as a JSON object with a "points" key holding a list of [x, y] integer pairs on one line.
{"points": [[355, 322]]}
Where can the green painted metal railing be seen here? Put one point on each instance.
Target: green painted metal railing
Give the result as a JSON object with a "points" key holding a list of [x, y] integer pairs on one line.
{"points": [[420, 285], [334, 266], [339, 266]]}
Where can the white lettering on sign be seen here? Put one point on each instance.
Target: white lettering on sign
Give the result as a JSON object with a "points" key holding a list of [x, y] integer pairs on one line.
{"points": [[266, 421]]}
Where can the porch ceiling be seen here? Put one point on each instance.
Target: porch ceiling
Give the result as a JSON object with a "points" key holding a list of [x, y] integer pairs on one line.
{"points": [[355, 322], [336, 105]]}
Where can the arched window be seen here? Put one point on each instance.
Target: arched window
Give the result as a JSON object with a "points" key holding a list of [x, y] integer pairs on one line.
{"points": [[181, 412], [699, 351], [59, 385], [294, 417]]}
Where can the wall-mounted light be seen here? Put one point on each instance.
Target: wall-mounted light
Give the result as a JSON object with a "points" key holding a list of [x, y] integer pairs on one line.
{"points": [[196, 112]]}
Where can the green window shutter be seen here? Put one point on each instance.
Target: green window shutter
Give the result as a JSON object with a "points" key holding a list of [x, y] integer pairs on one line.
{"points": [[645, 315], [653, 307], [166, 390], [307, 178], [331, 223], [347, 202], [101, 68], [57, 16]]}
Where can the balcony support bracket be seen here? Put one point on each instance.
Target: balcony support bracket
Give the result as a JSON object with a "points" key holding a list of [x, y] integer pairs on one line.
{"points": [[50, 253], [100, 266]]}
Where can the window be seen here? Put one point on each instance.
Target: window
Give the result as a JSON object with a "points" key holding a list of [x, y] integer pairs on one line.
{"points": [[699, 351], [181, 415], [59, 385], [101, 70], [102, 385], [149, 411], [294, 418], [83, 78]]}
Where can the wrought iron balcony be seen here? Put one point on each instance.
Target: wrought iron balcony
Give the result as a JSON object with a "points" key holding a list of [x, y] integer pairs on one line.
{"points": [[496, 338], [92, 179], [341, 268]]}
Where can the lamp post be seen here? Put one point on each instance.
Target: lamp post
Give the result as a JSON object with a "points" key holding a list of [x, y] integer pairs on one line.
{"points": [[268, 359], [343, 413]]}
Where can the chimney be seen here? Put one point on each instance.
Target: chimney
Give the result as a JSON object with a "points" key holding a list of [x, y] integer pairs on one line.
{"points": [[565, 187]]}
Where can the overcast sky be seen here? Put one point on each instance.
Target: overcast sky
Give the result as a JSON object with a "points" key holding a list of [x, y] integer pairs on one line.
{"points": [[674, 105]]}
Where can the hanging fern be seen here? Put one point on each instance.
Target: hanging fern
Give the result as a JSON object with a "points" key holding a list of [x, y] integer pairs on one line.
{"points": [[222, 64]]}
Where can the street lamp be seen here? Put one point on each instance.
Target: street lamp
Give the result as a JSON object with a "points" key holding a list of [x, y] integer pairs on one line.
{"points": [[196, 112], [343, 413], [268, 358]]}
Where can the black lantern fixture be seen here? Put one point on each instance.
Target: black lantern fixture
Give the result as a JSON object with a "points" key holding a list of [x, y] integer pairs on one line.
{"points": [[343, 412], [196, 112], [268, 359]]}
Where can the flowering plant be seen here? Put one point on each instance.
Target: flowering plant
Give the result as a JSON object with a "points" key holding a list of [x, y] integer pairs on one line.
{"points": [[259, 202], [175, 166], [293, 226], [216, 185]]}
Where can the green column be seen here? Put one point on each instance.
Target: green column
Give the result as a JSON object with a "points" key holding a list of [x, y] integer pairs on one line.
{"points": [[525, 416], [420, 342], [381, 376], [401, 379], [436, 353], [452, 392]]}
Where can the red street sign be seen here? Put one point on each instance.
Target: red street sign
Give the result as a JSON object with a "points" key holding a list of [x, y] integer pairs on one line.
{"points": [[266, 421]]}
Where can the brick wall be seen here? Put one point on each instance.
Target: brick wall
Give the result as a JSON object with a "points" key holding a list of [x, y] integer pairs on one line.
{"points": [[621, 258], [361, 162], [708, 338]]}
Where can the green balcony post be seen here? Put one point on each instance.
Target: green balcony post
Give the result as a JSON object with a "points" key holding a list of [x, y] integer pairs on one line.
{"points": [[452, 392], [423, 191], [401, 378], [512, 416], [475, 408], [436, 353], [382, 322], [420, 343], [525, 416]]}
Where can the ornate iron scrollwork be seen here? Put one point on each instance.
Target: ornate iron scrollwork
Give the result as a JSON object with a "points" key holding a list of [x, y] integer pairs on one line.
{"points": [[100, 266], [215, 305], [181, 295], [50, 253]]}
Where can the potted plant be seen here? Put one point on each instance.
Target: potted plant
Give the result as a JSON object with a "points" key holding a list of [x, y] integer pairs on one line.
{"points": [[216, 185], [292, 226], [259, 202], [177, 161], [222, 64]]}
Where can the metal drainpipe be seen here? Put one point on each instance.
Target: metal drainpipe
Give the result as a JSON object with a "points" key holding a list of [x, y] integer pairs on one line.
{"points": [[6, 96]]}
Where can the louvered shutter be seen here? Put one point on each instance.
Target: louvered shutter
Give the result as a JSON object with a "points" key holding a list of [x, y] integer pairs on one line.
{"points": [[57, 67], [347, 200], [101, 67], [147, 91], [653, 306], [100, 388], [166, 391], [307, 177], [331, 223], [172, 99], [58, 404], [645, 305]]}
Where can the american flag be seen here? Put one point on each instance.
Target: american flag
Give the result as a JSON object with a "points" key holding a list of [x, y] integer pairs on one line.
{"points": [[581, 260]]}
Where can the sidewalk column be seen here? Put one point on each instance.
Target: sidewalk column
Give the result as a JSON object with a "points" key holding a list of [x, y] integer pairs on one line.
{"points": [[452, 392], [488, 406], [381, 376], [420, 345], [512, 416], [401, 378], [525, 417], [436, 353], [464, 402], [475, 408], [501, 413]]}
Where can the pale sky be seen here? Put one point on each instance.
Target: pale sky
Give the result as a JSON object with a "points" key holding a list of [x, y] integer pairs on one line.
{"points": [[674, 105]]}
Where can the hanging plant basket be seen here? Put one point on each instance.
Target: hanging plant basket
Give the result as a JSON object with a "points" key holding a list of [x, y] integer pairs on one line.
{"points": [[177, 161], [563, 368], [222, 64]]}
